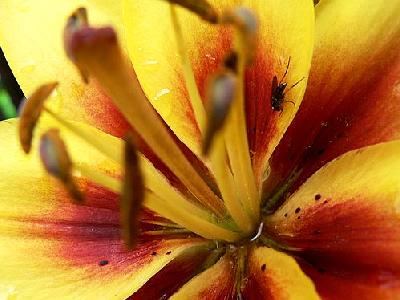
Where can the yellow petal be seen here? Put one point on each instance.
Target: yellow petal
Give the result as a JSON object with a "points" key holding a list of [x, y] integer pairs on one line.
{"points": [[51, 248], [153, 51], [215, 283], [347, 214], [275, 275], [352, 98], [35, 52]]}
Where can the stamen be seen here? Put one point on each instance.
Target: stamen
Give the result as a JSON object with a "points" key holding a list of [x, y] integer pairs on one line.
{"points": [[97, 51], [132, 195], [199, 7], [57, 162], [192, 222], [236, 133], [221, 94], [31, 112], [191, 86]]}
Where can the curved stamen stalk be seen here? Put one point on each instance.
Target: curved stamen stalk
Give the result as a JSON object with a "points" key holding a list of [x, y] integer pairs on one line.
{"points": [[194, 96]]}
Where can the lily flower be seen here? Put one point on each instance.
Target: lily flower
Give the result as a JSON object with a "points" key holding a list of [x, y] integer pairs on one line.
{"points": [[202, 150]]}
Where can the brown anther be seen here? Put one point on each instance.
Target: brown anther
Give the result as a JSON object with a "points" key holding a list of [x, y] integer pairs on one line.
{"points": [[31, 112], [221, 93], [77, 21], [89, 41], [316, 2], [244, 20], [132, 195], [56, 161], [200, 7]]}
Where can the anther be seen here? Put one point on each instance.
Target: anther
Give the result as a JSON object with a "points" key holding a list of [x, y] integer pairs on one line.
{"points": [[77, 21], [56, 161], [199, 7], [31, 112], [132, 195], [221, 94]]}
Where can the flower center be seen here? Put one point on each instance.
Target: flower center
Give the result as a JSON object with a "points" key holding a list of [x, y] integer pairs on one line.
{"points": [[228, 210]]}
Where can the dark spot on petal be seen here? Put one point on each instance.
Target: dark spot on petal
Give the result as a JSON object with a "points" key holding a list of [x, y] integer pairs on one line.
{"points": [[285, 215], [154, 253], [317, 231], [317, 197], [168, 253], [298, 218], [297, 210], [321, 270], [326, 201], [263, 267], [321, 151], [103, 262]]}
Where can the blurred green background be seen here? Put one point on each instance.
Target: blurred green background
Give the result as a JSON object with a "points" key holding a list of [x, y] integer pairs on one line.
{"points": [[7, 108], [10, 92]]}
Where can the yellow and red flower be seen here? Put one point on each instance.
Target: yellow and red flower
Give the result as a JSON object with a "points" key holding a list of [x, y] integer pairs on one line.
{"points": [[295, 201]]}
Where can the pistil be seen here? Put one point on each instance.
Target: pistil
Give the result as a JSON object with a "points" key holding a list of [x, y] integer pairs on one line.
{"points": [[96, 51]]}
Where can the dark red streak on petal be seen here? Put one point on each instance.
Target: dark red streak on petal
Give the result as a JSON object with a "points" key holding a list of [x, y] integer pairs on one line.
{"points": [[261, 119], [223, 289], [257, 287], [100, 110], [353, 234], [174, 275], [87, 234], [333, 283]]}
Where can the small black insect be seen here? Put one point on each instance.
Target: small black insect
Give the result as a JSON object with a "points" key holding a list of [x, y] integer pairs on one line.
{"points": [[278, 91]]}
